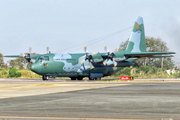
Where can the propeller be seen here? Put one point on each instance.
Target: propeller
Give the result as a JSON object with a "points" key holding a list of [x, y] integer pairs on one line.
{"points": [[27, 57], [110, 56], [88, 57]]}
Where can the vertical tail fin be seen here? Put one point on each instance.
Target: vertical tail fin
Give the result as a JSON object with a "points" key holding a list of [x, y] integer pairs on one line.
{"points": [[137, 42]]}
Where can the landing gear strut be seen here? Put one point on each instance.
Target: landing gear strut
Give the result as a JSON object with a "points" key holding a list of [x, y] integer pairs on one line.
{"points": [[45, 77]]}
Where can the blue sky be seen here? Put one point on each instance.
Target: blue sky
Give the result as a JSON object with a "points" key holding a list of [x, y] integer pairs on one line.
{"points": [[61, 24]]}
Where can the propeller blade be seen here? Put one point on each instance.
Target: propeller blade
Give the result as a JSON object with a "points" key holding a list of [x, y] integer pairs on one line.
{"points": [[82, 61], [115, 63], [116, 50], [91, 66], [21, 55], [95, 53], [30, 50], [105, 62], [25, 66], [85, 49], [105, 48], [47, 49]]}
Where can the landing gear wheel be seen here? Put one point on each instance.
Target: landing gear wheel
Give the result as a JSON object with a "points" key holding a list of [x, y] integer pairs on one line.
{"points": [[80, 78], [45, 77], [98, 78], [73, 78], [91, 78]]}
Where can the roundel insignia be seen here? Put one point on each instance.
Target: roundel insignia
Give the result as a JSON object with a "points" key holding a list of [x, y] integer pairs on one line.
{"points": [[137, 26]]}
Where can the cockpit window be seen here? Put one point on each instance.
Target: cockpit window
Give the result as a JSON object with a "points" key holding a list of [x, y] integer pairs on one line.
{"points": [[40, 59], [46, 58]]}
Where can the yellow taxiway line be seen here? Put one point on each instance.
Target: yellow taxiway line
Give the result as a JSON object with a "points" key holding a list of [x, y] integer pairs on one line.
{"points": [[9, 88], [68, 118]]}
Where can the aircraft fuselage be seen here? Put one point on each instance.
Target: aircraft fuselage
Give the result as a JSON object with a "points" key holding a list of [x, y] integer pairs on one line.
{"points": [[68, 65]]}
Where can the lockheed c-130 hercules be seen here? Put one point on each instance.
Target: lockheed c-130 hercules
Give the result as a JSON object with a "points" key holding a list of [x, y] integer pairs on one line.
{"points": [[96, 65]]}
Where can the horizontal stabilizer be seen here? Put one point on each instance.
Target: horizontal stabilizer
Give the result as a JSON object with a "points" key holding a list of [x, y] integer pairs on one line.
{"points": [[31, 56], [160, 56], [13, 56], [147, 54]]}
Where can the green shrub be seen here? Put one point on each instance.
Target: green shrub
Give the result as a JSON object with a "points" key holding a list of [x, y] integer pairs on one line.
{"points": [[3, 71], [145, 69], [18, 74], [154, 70], [123, 72], [13, 73]]}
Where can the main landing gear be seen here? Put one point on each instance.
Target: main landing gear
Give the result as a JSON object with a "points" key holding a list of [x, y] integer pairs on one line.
{"points": [[96, 78], [45, 77], [76, 78]]}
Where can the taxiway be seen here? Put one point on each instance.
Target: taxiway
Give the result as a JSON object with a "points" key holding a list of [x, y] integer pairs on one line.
{"points": [[35, 99]]}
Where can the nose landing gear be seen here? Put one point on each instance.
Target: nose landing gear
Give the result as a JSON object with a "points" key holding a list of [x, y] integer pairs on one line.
{"points": [[45, 77]]}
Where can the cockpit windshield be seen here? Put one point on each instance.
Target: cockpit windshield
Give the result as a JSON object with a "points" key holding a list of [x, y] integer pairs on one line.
{"points": [[43, 58], [46, 58]]}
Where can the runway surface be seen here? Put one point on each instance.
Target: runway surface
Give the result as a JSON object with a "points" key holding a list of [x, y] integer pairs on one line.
{"points": [[35, 99]]}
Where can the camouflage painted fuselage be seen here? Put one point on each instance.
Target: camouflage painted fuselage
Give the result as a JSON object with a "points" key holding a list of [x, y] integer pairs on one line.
{"points": [[69, 65]]}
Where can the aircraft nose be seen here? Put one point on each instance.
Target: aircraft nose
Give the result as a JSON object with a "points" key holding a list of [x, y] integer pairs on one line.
{"points": [[34, 68]]}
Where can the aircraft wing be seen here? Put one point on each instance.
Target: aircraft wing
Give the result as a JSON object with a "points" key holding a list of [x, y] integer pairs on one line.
{"points": [[148, 54], [31, 56]]}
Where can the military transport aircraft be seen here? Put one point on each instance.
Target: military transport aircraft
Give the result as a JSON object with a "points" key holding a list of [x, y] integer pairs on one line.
{"points": [[96, 65]]}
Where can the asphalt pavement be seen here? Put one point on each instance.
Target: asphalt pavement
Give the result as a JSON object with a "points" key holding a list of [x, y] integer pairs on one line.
{"points": [[89, 100]]}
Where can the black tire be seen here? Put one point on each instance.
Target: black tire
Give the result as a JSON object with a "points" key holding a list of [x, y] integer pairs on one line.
{"points": [[73, 78], [98, 78], [45, 77], [80, 78], [91, 78]]}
